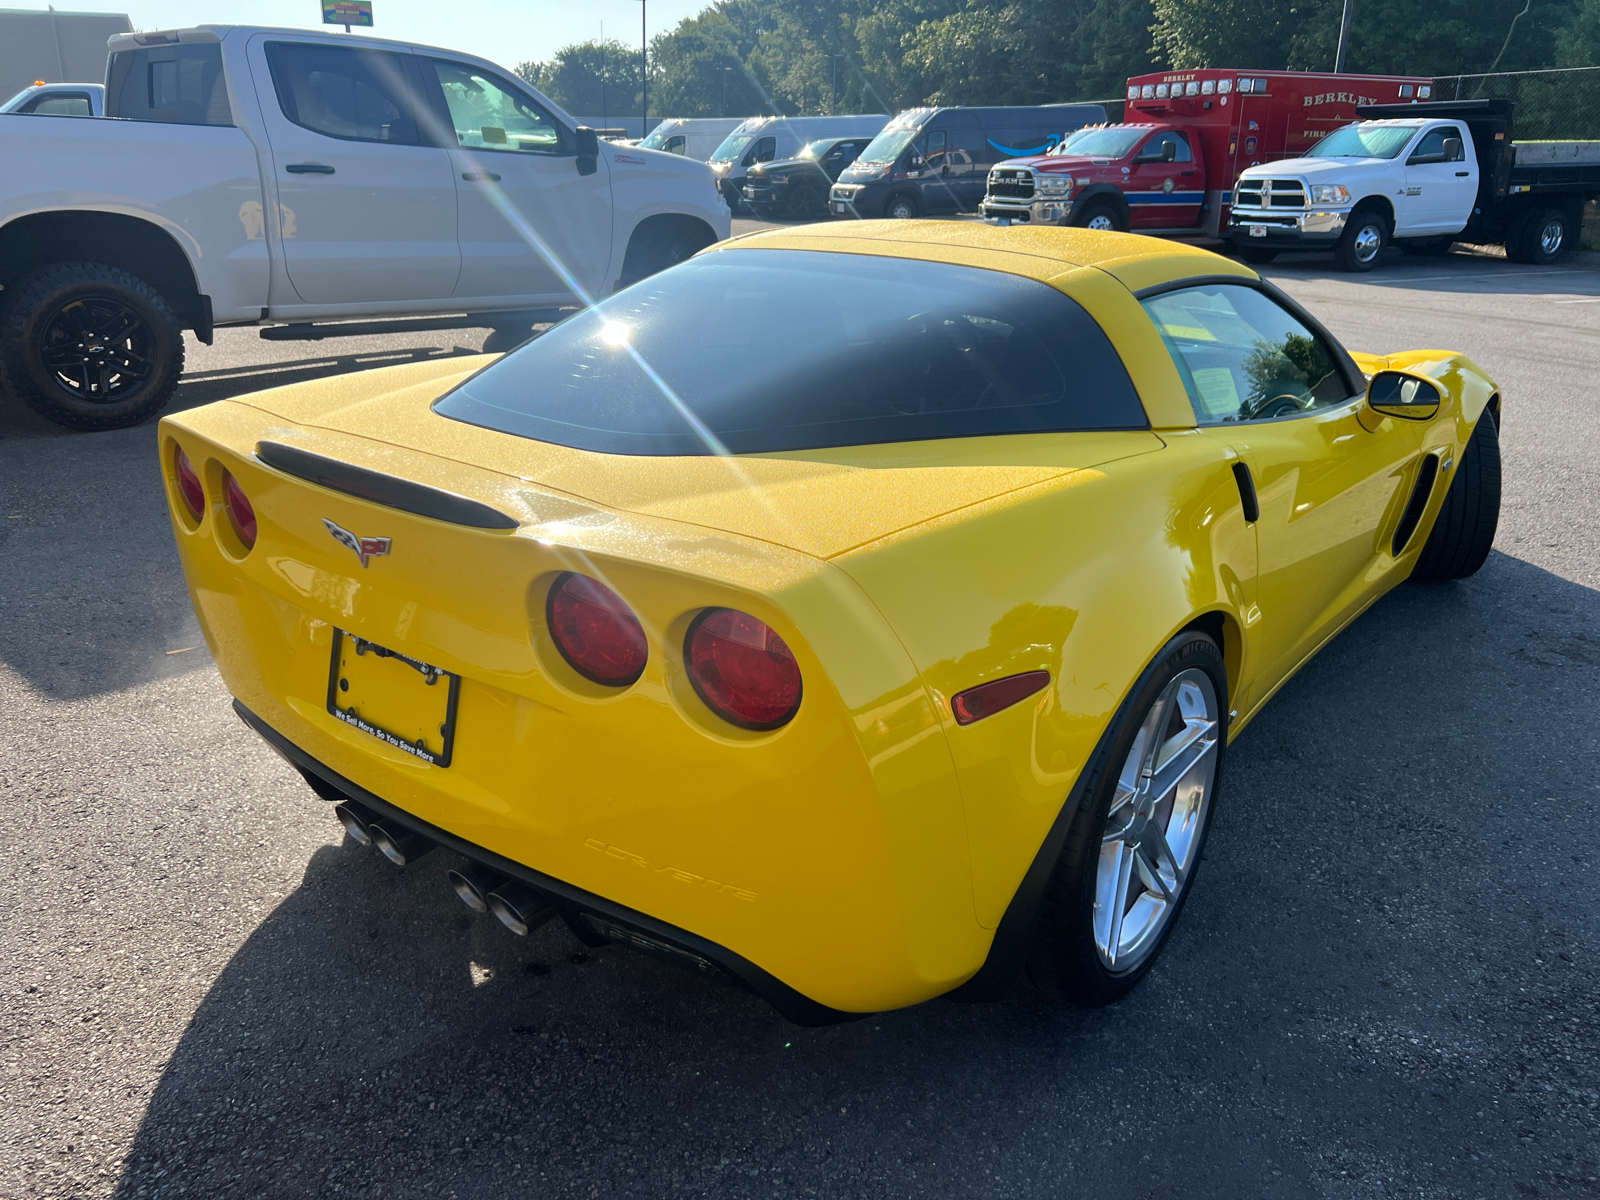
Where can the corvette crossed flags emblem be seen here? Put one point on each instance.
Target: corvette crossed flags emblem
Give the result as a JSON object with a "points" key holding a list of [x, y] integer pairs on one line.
{"points": [[365, 547]]}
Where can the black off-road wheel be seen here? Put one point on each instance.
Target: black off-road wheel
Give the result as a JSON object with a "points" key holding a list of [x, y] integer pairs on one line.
{"points": [[806, 203], [1135, 842], [89, 346], [1463, 532]]}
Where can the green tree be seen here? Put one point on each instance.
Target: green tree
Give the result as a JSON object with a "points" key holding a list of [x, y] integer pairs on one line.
{"points": [[589, 78]]}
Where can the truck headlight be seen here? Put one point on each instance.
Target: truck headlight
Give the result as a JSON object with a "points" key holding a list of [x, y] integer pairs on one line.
{"points": [[1053, 185], [1329, 193]]}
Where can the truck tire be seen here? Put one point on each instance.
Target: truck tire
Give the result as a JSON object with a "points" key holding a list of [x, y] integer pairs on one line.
{"points": [[89, 346], [902, 206], [1361, 244], [807, 203], [1099, 216], [1540, 236], [1464, 530]]}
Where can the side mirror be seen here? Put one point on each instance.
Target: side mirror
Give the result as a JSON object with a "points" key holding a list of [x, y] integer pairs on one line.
{"points": [[588, 146], [1452, 150], [1169, 152], [1393, 394]]}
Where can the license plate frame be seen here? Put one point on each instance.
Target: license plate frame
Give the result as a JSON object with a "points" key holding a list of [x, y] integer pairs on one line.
{"points": [[406, 672], [1258, 231]]}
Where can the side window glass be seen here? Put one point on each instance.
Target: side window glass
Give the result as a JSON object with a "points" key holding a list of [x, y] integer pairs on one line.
{"points": [[488, 114], [766, 149], [936, 149], [1184, 153], [174, 85], [675, 144], [75, 105], [1242, 356], [1432, 145], [354, 95]]}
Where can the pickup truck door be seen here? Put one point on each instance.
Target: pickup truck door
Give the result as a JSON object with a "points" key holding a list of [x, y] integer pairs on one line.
{"points": [[1164, 194], [532, 229], [1440, 186], [366, 203]]}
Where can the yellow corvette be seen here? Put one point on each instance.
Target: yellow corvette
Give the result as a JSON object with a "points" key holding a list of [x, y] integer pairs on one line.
{"points": [[853, 615]]}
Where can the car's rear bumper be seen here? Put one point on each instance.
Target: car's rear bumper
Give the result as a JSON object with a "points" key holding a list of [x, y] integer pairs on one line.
{"points": [[1316, 229], [592, 918]]}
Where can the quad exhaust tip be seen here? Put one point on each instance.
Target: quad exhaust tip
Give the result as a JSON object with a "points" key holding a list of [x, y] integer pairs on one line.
{"points": [[397, 843], [519, 907], [473, 883]]}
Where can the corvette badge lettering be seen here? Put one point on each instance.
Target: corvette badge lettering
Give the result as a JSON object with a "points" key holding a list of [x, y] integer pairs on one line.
{"points": [[365, 547]]}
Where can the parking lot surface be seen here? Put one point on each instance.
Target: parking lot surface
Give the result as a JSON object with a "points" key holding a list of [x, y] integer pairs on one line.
{"points": [[1385, 984]]}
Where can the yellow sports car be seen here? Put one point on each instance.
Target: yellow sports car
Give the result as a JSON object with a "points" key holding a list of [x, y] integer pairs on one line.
{"points": [[854, 615]]}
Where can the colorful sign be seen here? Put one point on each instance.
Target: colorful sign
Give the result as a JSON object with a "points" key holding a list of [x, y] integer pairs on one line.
{"points": [[347, 12]]}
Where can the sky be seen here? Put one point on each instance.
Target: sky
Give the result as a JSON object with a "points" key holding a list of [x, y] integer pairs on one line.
{"points": [[507, 32]]}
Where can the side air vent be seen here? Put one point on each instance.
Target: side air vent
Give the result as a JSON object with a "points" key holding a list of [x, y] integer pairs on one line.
{"points": [[1418, 504], [382, 489], [1247, 493]]}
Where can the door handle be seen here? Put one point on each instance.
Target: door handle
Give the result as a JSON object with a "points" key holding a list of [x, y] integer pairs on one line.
{"points": [[479, 176], [1247, 492], [309, 169], [1462, 174], [1187, 174]]}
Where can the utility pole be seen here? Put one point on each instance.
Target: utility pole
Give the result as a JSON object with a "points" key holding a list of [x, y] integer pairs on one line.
{"points": [[833, 90], [644, 72], [725, 71], [1344, 36]]}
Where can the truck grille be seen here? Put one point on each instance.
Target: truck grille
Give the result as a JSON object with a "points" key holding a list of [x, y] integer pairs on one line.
{"points": [[1012, 183], [1270, 193]]}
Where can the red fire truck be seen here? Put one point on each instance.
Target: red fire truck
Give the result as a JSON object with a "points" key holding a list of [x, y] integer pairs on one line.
{"points": [[1170, 168]]}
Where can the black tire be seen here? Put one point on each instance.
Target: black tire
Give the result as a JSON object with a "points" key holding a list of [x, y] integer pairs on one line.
{"points": [[1065, 962], [124, 364], [1437, 248], [1540, 237], [807, 203], [1463, 532], [902, 206], [659, 250], [1099, 216], [1257, 256], [1361, 244]]}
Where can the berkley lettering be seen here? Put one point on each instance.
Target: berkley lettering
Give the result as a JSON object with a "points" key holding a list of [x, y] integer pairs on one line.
{"points": [[1338, 98]]}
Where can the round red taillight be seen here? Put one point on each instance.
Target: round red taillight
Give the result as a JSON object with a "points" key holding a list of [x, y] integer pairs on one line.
{"points": [[240, 510], [194, 496], [595, 631], [743, 670]]}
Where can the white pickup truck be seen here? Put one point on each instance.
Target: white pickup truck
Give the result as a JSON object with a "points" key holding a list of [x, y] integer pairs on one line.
{"points": [[250, 176], [1424, 176]]}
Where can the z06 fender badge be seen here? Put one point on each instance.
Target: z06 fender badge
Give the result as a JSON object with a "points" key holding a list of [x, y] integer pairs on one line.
{"points": [[365, 547]]}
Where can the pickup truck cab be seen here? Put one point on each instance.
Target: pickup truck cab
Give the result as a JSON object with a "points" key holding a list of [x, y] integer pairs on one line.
{"points": [[59, 100], [1358, 188], [1423, 176], [1144, 178], [253, 175]]}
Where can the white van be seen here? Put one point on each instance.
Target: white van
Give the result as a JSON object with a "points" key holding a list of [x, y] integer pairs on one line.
{"points": [[764, 139], [692, 137]]}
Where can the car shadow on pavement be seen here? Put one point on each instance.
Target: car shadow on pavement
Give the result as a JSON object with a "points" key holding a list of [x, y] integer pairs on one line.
{"points": [[1352, 1002]]}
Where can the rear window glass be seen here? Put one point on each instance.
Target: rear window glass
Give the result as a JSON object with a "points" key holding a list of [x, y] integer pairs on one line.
{"points": [[175, 85], [754, 351]]}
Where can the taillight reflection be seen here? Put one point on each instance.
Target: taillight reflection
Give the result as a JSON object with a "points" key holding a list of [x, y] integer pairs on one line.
{"points": [[742, 669], [194, 495], [240, 511], [595, 631]]}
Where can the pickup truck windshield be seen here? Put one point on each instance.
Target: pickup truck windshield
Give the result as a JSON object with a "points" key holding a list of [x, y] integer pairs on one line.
{"points": [[1364, 141], [732, 146], [886, 147], [759, 351], [1105, 143]]}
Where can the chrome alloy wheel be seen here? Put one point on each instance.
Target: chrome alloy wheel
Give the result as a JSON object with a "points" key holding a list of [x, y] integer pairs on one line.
{"points": [[1552, 235], [1153, 829], [1369, 240], [1100, 221]]}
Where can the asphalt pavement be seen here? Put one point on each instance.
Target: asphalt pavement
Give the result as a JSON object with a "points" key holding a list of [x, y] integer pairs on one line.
{"points": [[1385, 983]]}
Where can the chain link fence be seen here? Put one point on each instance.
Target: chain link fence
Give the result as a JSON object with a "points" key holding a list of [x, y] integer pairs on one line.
{"points": [[1556, 105]]}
